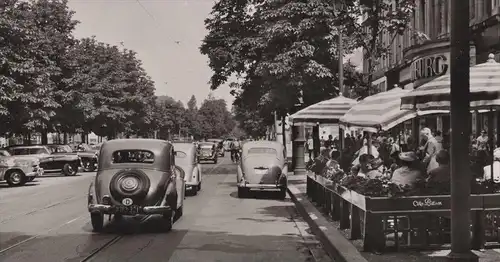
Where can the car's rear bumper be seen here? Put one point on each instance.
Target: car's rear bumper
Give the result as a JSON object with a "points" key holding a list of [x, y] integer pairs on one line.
{"points": [[201, 158], [261, 186], [192, 185], [148, 210], [38, 172]]}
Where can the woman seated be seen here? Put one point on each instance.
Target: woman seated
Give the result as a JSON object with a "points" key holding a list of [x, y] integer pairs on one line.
{"points": [[409, 172], [363, 151], [496, 168], [375, 168], [320, 162], [441, 174]]}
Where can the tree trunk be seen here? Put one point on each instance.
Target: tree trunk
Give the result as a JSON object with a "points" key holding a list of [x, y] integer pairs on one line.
{"points": [[82, 138], [45, 139], [65, 138]]}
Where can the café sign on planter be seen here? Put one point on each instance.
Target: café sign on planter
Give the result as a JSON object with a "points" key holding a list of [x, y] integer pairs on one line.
{"points": [[427, 203]]}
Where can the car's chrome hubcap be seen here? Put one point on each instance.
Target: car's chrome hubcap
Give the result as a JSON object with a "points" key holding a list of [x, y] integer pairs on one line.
{"points": [[15, 177]]}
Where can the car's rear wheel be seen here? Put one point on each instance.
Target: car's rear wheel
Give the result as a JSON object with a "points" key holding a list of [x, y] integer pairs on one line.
{"points": [[178, 213], [282, 193], [97, 220], [70, 169], [169, 220], [242, 192], [15, 178], [215, 161], [198, 188]]}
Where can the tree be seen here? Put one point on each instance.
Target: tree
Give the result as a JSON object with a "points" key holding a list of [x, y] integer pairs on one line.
{"points": [[171, 116], [192, 123], [281, 52], [215, 120], [35, 36], [383, 18]]}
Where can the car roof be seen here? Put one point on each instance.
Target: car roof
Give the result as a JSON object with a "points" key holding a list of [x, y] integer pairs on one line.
{"points": [[26, 146], [135, 143], [184, 147], [263, 143]]}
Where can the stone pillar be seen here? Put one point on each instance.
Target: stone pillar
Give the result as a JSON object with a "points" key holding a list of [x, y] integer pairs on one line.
{"points": [[428, 17], [299, 141], [444, 17]]}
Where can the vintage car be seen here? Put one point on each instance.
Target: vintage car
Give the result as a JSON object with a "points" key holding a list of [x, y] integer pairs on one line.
{"points": [[220, 147], [136, 177], [87, 155], [17, 170], [186, 157], [53, 158], [207, 151], [263, 166]]}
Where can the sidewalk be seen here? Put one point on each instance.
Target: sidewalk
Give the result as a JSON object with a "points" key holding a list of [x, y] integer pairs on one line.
{"points": [[340, 248]]}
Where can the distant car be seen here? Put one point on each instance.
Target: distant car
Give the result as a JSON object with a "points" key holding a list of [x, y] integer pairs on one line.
{"points": [[53, 158], [227, 144], [17, 170], [220, 146], [207, 151], [263, 166], [186, 157], [136, 177], [87, 155]]}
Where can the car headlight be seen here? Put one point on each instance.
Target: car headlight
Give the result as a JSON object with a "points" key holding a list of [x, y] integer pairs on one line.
{"points": [[23, 163]]}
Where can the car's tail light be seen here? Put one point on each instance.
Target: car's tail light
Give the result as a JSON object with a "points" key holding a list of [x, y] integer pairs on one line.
{"points": [[106, 200]]}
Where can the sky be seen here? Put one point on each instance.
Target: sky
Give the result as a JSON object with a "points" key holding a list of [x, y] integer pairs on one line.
{"points": [[166, 34]]}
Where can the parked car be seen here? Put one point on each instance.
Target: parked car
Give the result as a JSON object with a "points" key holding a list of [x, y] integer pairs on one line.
{"points": [[136, 177], [186, 157], [263, 166], [220, 146], [17, 170], [88, 156], [53, 158], [207, 151]]}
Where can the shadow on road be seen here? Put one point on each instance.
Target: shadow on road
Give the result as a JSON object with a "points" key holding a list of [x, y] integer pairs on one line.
{"points": [[29, 184]]}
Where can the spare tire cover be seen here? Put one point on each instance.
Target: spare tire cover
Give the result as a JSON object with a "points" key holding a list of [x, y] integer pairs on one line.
{"points": [[129, 183]]}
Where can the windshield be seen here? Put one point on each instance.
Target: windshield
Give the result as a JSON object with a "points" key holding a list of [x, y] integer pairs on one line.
{"points": [[4, 153], [60, 149], [262, 150]]}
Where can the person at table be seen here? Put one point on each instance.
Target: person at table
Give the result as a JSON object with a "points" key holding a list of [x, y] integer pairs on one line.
{"points": [[496, 168], [320, 162], [410, 170], [442, 173], [375, 168], [329, 142], [363, 166], [364, 150], [430, 149]]}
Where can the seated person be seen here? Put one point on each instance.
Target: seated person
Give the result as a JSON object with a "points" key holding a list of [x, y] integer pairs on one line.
{"points": [[375, 168], [496, 168], [442, 172], [409, 172], [320, 162], [364, 167], [363, 151]]}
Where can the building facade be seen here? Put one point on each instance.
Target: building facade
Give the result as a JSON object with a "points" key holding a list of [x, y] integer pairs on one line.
{"points": [[414, 61]]}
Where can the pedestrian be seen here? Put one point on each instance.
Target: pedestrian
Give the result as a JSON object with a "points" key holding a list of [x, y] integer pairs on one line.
{"points": [[430, 149], [310, 145]]}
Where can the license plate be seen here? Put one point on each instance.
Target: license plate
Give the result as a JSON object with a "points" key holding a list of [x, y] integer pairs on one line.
{"points": [[127, 210], [260, 171]]}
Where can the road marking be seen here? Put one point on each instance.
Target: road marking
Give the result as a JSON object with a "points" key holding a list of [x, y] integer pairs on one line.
{"points": [[214, 167], [38, 235]]}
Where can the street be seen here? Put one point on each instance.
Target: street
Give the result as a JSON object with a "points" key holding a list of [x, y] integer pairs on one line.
{"points": [[47, 221]]}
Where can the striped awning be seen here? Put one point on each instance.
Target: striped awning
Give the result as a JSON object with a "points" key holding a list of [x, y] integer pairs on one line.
{"points": [[435, 95], [380, 112], [324, 112]]}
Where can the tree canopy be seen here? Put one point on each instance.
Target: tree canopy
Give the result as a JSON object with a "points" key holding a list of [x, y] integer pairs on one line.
{"points": [[281, 52]]}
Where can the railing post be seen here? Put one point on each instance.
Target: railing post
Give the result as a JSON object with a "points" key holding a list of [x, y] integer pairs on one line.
{"points": [[478, 229], [374, 239], [355, 223], [344, 214]]}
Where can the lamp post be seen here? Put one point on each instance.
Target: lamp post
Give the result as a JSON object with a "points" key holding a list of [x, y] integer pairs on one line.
{"points": [[460, 99]]}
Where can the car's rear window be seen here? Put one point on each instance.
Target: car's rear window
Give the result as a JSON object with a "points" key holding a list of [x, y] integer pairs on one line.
{"points": [[133, 156], [262, 150]]}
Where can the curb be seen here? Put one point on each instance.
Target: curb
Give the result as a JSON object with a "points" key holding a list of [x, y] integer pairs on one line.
{"points": [[334, 243]]}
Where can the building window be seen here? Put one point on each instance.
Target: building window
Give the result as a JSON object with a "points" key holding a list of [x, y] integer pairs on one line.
{"points": [[472, 9]]}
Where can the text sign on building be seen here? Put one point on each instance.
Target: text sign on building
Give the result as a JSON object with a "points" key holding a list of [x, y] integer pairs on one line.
{"points": [[429, 67]]}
